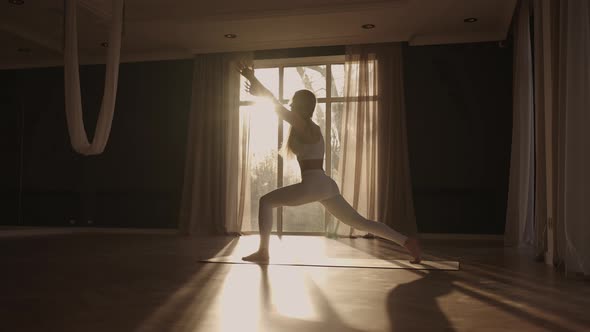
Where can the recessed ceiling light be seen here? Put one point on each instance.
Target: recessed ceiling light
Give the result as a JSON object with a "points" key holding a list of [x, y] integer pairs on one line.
{"points": [[470, 20], [17, 2], [24, 50], [368, 26], [104, 44], [230, 35]]}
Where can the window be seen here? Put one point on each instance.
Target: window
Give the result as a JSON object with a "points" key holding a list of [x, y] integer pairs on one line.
{"points": [[325, 77]]}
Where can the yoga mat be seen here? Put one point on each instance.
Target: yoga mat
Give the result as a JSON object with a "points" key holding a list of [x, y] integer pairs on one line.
{"points": [[373, 263]]}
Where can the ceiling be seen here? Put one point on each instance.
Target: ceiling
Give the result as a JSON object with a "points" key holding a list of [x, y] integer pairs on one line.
{"points": [[31, 34]]}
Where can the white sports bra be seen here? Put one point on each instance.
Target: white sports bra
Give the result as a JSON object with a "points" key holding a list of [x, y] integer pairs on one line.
{"points": [[311, 151]]}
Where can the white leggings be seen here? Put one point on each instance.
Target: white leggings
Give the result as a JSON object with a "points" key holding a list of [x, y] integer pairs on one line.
{"points": [[316, 186]]}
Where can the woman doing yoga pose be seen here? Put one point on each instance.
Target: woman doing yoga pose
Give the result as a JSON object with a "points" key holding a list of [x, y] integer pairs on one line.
{"points": [[305, 140]]}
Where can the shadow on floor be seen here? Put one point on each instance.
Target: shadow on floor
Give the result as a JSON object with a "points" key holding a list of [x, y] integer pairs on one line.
{"points": [[155, 283], [413, 306], [506, 279]]}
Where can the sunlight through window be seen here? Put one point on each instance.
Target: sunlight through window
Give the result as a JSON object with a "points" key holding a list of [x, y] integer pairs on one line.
{"points": [[268, 171]]}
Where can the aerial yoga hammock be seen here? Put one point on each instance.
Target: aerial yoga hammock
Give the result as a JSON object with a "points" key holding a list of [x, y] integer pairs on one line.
{"points": [[73, 100]]}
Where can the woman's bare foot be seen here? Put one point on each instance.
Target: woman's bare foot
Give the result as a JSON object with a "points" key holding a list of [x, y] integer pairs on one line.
{"points": [[413, 247], [261, 256]]}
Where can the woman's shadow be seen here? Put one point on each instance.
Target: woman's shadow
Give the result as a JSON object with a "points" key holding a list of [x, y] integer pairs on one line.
{"points": [[413, 306]]}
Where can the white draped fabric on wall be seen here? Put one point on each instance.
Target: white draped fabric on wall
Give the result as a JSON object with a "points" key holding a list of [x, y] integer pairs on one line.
{"points": [[561, 138], [374, 171], [358, 168], [545, 93], [216, 196], [73, 99], [520, 209]]}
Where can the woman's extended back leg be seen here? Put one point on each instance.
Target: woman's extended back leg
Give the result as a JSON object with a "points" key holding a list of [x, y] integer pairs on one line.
{"points": [[340, 209]]}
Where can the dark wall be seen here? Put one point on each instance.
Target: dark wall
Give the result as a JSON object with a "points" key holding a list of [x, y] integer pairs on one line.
{"points": [[136, 182], [10, 124], [459, 118], [458, 100]]}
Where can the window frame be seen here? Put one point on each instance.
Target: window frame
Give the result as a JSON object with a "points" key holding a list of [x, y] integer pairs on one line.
{"points": [[328, 100]]}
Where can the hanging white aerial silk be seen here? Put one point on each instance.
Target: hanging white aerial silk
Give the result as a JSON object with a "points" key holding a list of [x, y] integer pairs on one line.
{"points": [[73, 100]]}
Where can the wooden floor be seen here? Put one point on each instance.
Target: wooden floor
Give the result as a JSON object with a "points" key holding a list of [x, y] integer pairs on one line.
{"points": [[108, 282]]}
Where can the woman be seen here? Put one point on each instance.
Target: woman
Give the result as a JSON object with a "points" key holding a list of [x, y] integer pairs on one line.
{"points": [[305, 140]]}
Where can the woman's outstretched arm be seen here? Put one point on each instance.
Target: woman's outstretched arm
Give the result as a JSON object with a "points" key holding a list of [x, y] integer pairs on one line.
{"points": [[256, 88]]}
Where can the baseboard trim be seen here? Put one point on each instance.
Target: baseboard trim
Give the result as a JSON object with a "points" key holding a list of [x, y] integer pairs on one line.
{"points": [[16, 231], [9, 231], [423, 236], [454, 236]]}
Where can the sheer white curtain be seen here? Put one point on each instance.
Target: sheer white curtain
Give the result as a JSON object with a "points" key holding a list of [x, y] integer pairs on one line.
{"points": [[520, 210], [358, 165], [545, 94], [216, 195], [562, 90], [374, 172], [73, 99]]}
